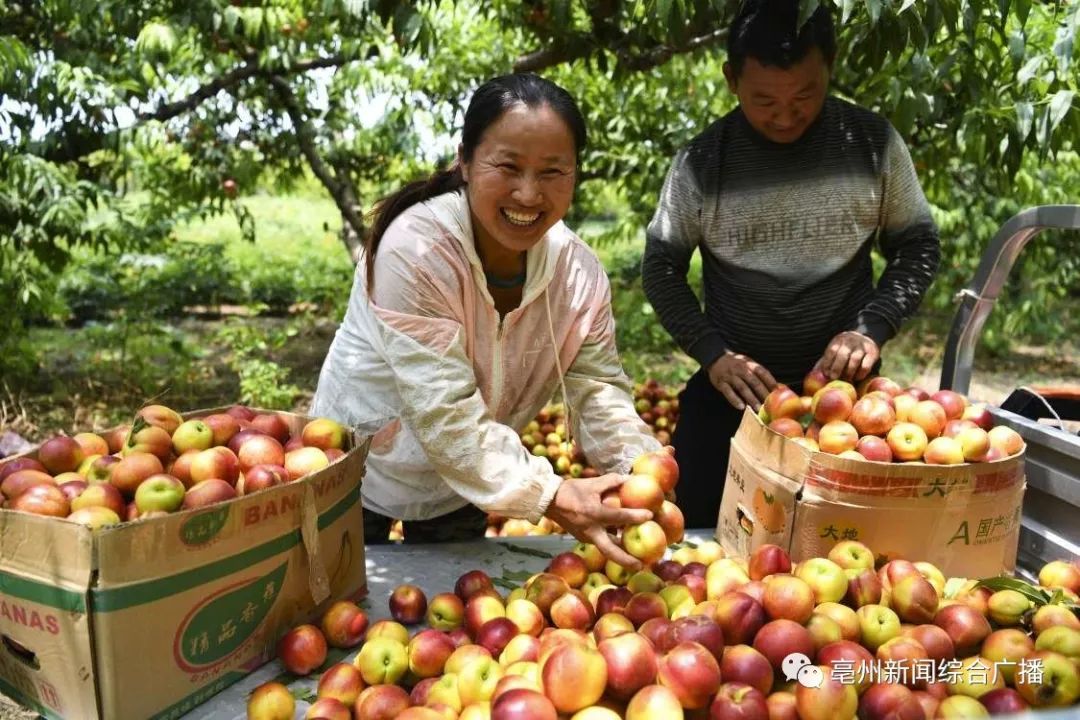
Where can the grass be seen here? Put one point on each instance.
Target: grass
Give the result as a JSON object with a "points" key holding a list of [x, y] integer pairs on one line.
{"points": [[289, 229]]}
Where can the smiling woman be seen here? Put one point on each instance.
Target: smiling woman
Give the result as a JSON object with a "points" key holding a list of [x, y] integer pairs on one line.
{"points": [[476, 303], [520, 182]]}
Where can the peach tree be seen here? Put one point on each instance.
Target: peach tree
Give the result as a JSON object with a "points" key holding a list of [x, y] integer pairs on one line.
{"points": [[119, 120]]}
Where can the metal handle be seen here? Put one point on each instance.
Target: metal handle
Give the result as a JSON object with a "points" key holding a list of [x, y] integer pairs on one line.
{"points": [[978, 298]]}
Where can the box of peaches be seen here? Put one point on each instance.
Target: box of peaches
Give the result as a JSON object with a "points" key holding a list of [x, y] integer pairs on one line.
{"points": [[170, 553], [911, 473]]}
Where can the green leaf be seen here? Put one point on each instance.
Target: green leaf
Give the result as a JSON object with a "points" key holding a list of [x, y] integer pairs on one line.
{"points": [[1043, 129], [357, 8], [157, 40], [503, 583], [873, 7], [1017, 46], [904, 115], [1029, 70], [527, 551], [663, 10], [516, 575], [303, 694], [1059, 106], [806, 9], [1025, 114], [846, 8], [1063, 45], [1029, 591], [1023, 9], [905, 6], [685, 543]]}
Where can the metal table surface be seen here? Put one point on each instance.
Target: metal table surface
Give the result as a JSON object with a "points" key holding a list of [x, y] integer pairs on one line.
{"points": [[435, 568]]}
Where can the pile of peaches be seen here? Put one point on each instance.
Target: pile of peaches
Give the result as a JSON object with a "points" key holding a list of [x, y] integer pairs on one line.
{"points": [[545, 436], [162, 463], [880, 421], [699, 635]]}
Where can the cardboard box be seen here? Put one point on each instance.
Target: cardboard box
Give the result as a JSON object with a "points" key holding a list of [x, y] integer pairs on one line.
{"points": [[965, 519], [149, 619]]}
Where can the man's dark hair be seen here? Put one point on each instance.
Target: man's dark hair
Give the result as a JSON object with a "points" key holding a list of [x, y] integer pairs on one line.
{"points": [[769, 32]]}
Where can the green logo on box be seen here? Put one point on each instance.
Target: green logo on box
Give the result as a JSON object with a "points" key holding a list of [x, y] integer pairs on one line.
{"points": [[220, 624], [202, 528]]}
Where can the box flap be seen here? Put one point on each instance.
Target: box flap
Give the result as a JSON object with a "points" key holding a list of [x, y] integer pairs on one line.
{"points": [[45, 549], [771, 449]]}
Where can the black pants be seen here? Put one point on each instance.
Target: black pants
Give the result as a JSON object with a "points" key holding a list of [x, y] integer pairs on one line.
{"points": [[467, 523], [702, 441]]}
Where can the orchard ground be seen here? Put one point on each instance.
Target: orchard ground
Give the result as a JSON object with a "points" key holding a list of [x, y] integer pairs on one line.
{"points": [[77, 392]]}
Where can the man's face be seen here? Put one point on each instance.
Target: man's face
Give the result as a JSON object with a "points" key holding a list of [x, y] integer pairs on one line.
{"points": [[781, 103]]}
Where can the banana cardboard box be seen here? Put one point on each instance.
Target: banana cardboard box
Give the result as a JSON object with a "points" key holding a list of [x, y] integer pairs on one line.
{"points": [[150, 618], [965, 519]]}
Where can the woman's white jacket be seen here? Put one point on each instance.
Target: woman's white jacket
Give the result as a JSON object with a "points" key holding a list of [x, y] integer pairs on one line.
{"points": [[427, 366]]}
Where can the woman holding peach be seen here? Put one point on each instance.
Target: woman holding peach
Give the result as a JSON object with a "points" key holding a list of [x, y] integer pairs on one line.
{"points": [[472, 305]]}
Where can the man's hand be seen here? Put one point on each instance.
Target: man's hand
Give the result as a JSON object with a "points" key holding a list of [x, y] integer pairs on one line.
{"points": [[850, 356], [741, 380], [578, 509]]}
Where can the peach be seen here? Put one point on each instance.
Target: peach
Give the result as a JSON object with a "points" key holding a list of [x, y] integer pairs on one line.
{"points": [[831, 404], [831, 700], [302, 649], [907, 440], [872, 416], [574, 677], [631, 664], [837, 436], [782, 402], [271, 701], [789, 597], [341, 681], [344, 624], [1006, 439], [953, 403], [930, 416], [691, 672], [943, 451]]}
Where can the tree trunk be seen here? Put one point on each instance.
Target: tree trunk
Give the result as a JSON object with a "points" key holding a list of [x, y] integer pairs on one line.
{"points": [[353, 242]]}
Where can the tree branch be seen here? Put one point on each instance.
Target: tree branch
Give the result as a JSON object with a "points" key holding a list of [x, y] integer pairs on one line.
{"points": [[643, 59], [339, 187], [550, 56], [75, 142], [232, 78]]}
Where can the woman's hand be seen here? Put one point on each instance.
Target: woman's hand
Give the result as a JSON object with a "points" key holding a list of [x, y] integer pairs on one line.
{"points": [[578, 509]]}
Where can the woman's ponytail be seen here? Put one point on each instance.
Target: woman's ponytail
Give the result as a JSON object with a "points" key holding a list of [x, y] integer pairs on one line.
{"points": [[388, 208]]}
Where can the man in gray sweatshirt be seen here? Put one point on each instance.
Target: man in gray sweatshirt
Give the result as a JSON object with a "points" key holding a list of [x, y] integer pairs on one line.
{"points": [[784, 196]]}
